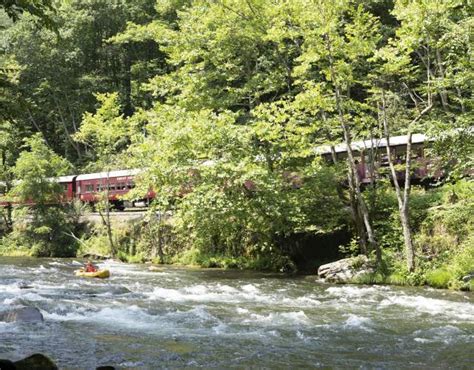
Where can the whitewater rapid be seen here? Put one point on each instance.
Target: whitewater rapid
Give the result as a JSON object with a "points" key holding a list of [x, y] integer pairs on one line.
{"points": [[178, 317]]}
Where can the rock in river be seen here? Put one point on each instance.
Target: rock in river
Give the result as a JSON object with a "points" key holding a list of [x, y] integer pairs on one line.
{"points": [[22, 314], [33, 362], [343, 271]]}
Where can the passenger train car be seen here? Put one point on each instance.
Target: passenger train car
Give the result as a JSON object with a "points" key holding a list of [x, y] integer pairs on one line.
{"points": [[423, 168], [88, 188]]}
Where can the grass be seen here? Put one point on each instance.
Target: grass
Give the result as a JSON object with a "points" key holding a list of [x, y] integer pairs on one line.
{"points": [[14, 251], [439, 278]]}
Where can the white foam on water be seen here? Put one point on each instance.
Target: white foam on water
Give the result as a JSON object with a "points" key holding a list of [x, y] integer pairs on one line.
{"points": [[10, 288], [201, 293], [300, 335], [423, 340], [358, 322], [227, 289], [132, 317], [130, 272], [226, 294], [242, 311], [444, 334], [9, 327], [456, 310], [197, 290], [220, 329], [42, 270], [29, 296], [54, 263], [249, 288], [202, 313], [131, 364], [355, 292], [197, 315], [305, 301], [274, 333], [80, 314], [279, 318]]}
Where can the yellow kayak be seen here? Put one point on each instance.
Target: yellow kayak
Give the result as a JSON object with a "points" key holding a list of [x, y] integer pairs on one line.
{"points": [[98, 274]]}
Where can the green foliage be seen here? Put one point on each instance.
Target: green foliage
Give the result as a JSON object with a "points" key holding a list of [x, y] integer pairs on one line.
{"points": [[222, 104], [36, 168], [94, 242], [105, 131], [439, 278], [369, 279], [443, 222], [263, 262], [350, 250], [44, 226], [448, 223]]}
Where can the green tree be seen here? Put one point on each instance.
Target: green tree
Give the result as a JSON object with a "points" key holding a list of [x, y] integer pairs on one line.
{"points": [[336, 41], [47, 221], [413, 88], [61, 69], [105, 133]]}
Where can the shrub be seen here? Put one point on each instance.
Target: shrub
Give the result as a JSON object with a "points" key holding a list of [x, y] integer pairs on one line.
{"points": [[439, 278], [397, 278]]}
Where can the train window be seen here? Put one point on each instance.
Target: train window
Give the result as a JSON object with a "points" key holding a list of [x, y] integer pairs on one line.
{"points": [[131, 185], [111, 186], [89, 188], [98, 188], [121, 186], [383, 160]]}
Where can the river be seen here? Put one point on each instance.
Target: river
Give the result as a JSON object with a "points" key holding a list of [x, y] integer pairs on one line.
{"points": [[177, 317]]}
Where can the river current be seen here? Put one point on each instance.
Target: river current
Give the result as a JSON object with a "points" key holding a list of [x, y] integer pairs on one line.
{"points": [[180, 318]]}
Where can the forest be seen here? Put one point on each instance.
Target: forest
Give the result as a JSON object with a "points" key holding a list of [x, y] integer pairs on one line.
{"points": [[223, 104]]}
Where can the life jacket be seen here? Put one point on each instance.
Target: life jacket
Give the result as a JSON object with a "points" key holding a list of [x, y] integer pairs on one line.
{"points": [[91, 268]]}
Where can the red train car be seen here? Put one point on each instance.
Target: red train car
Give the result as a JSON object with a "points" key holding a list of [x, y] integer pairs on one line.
{"points": [[118, 183], [69, 187], [422, 166], [87, 188]]}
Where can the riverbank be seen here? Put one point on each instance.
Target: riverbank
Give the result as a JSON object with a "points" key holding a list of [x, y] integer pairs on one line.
{"points": [[443, 226], [389, 275]]}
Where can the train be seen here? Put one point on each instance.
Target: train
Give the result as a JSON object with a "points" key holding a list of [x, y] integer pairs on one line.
{"points": [[368, 171], [88, 187]]}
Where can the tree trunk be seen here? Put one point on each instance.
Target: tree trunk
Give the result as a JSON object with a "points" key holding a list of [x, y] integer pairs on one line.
{"points": [[8, 215], [355, 214], [106, 219], [127, 81], [402, 198], [354, 182]]}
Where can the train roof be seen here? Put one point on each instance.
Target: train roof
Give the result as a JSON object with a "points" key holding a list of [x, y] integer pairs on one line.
{"points": [[377, 143], [65, 178], [104, 175]]}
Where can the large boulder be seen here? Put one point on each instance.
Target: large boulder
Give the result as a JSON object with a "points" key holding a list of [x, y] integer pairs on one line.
{"points": [[36, 362], [345, 270], [22, 314], [33, 362]]}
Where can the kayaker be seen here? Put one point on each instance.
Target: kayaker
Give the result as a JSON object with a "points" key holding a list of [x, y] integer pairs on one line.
{"points": [[90, 267]]}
